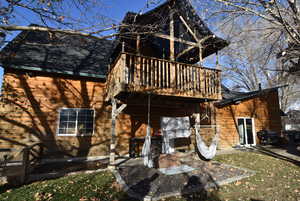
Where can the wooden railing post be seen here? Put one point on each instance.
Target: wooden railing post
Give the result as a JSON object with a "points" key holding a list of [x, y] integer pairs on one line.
{"points": [[219, 85], [172, 69], [138, 72], [25, 165]]}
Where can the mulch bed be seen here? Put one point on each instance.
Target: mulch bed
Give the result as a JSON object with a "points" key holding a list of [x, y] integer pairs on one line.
{"points": [[142, 182]]}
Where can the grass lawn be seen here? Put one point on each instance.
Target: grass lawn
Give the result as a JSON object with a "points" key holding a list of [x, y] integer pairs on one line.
{"points": [[83, 187], [274, 180]]}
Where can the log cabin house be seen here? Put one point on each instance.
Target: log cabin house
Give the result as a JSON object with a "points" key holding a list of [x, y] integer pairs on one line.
{"points": [[83, 97]]}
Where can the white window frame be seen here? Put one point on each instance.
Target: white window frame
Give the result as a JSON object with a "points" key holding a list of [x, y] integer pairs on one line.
{"points": [[76, 134]]}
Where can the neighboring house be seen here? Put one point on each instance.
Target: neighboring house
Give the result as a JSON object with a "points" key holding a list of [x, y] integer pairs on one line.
{"points": [[84, 97], [291, 125], [291, 120]]}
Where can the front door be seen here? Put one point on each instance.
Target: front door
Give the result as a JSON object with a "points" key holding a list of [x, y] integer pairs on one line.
{"points": [[246, 131]]}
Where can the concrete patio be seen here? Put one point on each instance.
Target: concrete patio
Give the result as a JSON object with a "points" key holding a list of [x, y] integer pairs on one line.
{"points": [[152, 184]]}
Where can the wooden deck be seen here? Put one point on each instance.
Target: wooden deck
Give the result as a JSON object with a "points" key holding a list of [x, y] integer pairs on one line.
{"points": [[139, 74]]}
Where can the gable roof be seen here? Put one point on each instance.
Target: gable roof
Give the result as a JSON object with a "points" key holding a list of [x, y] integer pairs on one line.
{"points": [[159, 18], [241, 96], [57, 53]]}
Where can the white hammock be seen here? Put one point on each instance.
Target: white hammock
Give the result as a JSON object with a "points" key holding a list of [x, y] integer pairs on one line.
{"points": [[146, 151], [205, 151]]}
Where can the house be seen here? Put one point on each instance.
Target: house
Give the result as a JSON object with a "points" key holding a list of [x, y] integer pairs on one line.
{"points": [[241, 115], [291, 120], [291, 125], [83, 97]]}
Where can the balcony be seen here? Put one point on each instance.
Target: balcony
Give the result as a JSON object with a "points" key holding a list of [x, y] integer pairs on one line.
{"points": [[139, 74]]}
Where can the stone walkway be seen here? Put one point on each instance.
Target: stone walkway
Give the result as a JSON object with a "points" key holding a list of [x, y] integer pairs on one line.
{"points": [[150, 184]]}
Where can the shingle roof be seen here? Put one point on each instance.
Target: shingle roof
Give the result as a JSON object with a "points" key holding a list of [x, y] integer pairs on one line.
{"points": [[231, 98], [67, 54]]}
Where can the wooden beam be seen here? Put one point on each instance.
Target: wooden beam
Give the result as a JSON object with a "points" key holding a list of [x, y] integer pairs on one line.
{"points": [[188, 28], [120, 109], [206, 38], [184, 51], [164, 36], [172, 35]]}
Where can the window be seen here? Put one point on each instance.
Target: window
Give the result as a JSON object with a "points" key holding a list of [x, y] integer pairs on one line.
{"points": [[76, 121]]}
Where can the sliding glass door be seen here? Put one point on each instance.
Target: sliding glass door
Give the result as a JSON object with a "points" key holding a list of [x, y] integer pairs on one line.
{"points": [[246, 131]]}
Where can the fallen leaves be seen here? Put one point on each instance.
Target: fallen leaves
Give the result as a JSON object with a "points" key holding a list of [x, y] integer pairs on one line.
{"points": [[42, 196]]}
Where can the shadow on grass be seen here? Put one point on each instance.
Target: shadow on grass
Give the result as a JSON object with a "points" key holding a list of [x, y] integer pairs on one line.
{"points": [[196, 190], [5, 187]]}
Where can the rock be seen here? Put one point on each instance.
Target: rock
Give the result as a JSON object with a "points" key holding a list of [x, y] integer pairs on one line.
{"points": [[168, 160]]}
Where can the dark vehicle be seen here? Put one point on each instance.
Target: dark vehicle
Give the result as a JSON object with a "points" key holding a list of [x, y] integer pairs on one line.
{"points": [[268, 137], [293, 135]]}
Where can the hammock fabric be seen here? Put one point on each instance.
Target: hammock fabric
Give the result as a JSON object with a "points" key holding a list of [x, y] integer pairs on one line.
{"points": [[205, 151], [146, 151]]}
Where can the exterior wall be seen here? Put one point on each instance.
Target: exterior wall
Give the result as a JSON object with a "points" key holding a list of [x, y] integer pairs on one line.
{"points": [[264, 109], [29, 112], [30, 103]]}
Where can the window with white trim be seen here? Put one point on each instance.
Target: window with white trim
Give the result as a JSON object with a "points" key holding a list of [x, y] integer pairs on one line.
{"points": [[76, 121]]}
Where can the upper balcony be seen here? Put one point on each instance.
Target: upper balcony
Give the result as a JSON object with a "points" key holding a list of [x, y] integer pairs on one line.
{"points": [[139, 74]]}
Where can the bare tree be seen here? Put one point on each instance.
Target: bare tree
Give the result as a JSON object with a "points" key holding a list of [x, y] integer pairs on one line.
{"points": [[76, 17], [250, 60], [282, 16]]}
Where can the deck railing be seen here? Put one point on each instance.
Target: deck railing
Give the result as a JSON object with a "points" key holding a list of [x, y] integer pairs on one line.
{"points": [[134, 73]]}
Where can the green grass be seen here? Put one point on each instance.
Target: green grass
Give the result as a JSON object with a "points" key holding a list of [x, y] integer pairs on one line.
{"points": [[274, 180], [83, 187]]}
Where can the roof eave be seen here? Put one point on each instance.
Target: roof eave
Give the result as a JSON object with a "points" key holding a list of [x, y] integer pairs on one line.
{"points": [[247, 96]]}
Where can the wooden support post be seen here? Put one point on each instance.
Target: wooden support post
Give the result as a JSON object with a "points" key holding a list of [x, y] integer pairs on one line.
{"points": [[25, 165], [200, 54], [113, 135], [217, 61], [138, 44], [114, 113], [172, 35], [123, 47]]}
